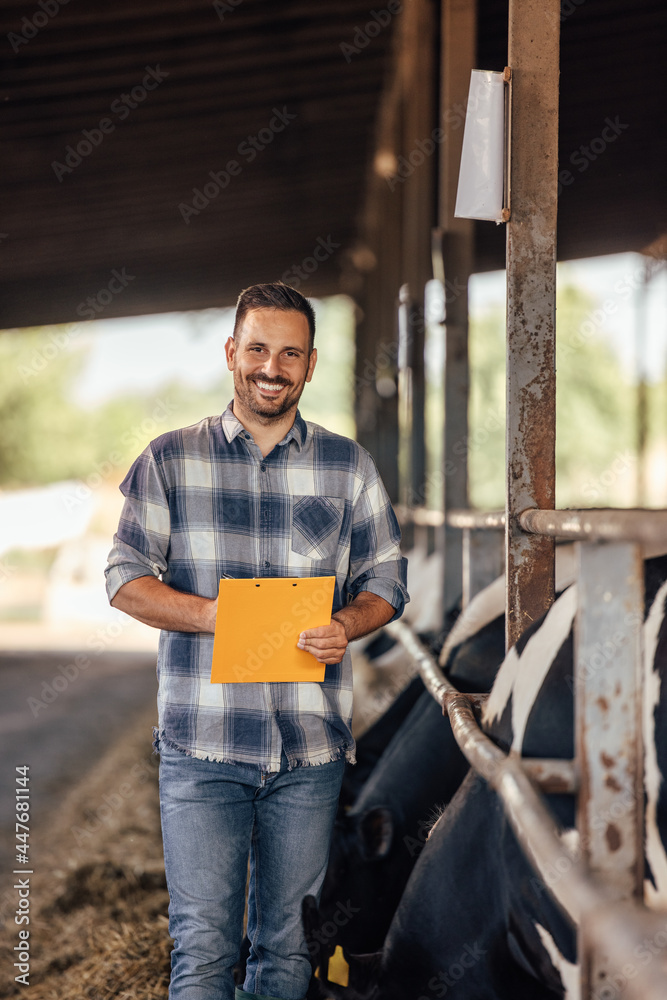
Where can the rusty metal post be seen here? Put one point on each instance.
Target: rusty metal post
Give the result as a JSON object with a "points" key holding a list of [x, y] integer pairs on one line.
{"points": [[411, 451], [609, 753], [420, 90], [459, 37], [534, 28]]}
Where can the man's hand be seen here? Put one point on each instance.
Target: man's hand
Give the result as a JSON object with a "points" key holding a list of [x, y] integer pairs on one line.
{"points": [[327, 643]]}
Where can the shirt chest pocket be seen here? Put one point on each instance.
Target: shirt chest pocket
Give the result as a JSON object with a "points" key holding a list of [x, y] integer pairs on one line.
{"points": [[316, 525]]}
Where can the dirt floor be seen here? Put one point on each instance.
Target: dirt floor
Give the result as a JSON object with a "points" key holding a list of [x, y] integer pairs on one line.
{"points": [[98, 898]]}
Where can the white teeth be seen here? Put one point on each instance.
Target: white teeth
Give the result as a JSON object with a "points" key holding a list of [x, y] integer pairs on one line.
{"points": [[266, 385]]}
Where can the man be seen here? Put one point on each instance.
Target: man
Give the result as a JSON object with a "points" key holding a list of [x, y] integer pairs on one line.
{"points": [[252, 769]]}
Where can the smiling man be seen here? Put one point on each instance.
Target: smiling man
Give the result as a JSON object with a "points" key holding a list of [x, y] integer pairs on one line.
{"points": [[252, 771]]}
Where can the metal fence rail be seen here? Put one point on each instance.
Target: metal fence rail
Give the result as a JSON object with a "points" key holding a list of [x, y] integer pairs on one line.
{"points": [[614, 927], [603, 889]]}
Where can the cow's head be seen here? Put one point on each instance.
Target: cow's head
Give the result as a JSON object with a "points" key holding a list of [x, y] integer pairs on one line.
{"points": [[356, 903], [337, 973]]}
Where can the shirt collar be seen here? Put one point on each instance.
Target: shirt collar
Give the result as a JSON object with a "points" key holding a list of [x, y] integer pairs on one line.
{"points": [[232, 427]]}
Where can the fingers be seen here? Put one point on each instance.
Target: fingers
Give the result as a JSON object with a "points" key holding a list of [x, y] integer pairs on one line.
{"points": [[326, 643]]}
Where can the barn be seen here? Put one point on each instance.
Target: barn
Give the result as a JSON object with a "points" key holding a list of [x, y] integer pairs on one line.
{"points": [[164, 158]]}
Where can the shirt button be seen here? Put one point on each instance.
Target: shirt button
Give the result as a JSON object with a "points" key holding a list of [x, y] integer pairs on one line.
{"points": [[247, 437], [262, 467], [266, 564]]}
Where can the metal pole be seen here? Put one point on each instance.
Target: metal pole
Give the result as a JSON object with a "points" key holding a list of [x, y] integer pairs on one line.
{"points": [[534, 30], [406, 482], [459, 37], [614, 926], [612, 525], [420, 91], [608, 750]]}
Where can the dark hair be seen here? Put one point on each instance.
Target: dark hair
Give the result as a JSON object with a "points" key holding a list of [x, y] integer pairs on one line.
{"points": [[274, 295]]}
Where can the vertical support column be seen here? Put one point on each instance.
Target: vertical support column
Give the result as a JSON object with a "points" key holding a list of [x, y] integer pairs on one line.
{"points": [[459, 36], [534, 32], [609, 753], [405, 398], [377, 414], [420, 91]]}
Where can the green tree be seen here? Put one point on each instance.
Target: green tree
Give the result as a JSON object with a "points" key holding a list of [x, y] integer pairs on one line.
{"points": [[595, 423]]}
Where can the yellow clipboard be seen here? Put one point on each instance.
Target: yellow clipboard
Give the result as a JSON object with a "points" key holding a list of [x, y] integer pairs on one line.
{"points": [[258, 625]]}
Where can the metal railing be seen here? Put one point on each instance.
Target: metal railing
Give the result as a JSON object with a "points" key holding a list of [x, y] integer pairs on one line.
{"points": [[600, 889]]}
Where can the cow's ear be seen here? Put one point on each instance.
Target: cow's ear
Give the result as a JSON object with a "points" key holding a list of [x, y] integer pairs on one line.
{"points": [[376, 832]]}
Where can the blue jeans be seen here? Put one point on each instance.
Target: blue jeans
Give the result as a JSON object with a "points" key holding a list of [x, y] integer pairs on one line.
{"points": [[213, 817]]}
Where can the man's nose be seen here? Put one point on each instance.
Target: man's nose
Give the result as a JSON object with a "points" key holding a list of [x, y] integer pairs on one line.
{"points": [[272, 365]]}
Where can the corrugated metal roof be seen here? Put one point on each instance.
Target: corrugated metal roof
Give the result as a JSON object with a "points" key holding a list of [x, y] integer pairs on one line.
{"points": [[231, 74], [273, 72]]}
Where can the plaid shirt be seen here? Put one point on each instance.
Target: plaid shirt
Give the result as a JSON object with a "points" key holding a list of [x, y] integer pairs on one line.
{"points": [[202, 503]]}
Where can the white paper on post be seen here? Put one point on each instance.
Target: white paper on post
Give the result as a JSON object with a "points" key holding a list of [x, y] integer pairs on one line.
{"points": [[480, 191]]}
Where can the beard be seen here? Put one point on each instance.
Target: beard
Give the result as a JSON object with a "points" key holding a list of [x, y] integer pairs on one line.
{"points": [[270, 409]]}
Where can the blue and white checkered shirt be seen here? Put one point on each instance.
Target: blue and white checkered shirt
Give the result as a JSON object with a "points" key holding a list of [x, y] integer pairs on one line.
{"points": [[202, 503]]}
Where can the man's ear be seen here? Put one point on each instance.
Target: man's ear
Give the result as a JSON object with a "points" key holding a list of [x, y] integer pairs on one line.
{"points": [[230, 352], [312, 360]]}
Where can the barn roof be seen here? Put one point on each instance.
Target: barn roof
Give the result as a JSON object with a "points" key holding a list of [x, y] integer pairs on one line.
{"points": [[210, 83]]}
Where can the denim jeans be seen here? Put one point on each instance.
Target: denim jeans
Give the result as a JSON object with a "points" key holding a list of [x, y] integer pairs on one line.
{"points": [[214, 817]]}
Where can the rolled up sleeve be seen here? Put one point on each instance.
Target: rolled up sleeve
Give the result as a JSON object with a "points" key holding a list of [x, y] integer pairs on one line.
{"points": [[141, 544], [376, 563]]}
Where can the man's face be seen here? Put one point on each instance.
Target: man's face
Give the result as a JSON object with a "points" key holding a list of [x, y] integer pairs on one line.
{"points": [[270, 362]]}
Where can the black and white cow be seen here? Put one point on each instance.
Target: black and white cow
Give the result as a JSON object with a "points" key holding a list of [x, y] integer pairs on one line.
{"points": [[373, 743], [381, 829], [378, 839], [474, 920]]}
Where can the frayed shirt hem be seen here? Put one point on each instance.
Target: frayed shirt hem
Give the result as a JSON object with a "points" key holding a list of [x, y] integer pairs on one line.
{"points": [[323, 758]]}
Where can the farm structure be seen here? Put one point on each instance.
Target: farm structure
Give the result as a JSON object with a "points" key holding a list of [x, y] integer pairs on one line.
{"points": [[600, 891], [322, 143]]}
